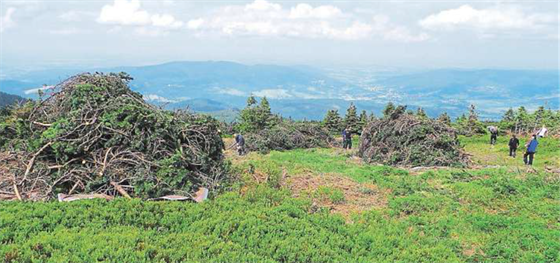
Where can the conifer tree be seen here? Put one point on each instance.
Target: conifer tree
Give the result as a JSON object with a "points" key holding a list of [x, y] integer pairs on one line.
{"points": [[421, 113], [251, 101], [265, 118], [333, 121], [351, 118], [445, 118], [522, 120], [256, 117], [363, 120], [508, 120], [372, 117], [388, 109], [474, 126]]}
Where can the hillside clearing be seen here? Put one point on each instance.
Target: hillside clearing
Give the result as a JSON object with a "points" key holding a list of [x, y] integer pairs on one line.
{"points": [[314, 205]]}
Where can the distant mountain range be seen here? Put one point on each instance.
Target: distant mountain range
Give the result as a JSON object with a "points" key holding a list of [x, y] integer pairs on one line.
{"points": [[9, 99], [305, 92]]}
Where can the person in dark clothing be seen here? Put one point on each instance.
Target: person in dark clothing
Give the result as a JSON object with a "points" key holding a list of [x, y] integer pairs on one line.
{"points": [[344, 138], [348, 138], [493, 135], [240, 141], [513, 144], [531, 150]]}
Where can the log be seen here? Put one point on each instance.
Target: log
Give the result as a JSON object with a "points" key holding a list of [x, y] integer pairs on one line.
{"points": [[120, 190]]}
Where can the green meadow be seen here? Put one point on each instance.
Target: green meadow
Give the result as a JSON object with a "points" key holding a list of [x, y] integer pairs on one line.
{"points": [[316, 205]]}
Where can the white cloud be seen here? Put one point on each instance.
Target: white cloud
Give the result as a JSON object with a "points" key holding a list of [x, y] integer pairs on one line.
{"points": [[71, 16], [166, 21], [307, 11], [262, 5], [130, 13], [65, 31], [124, 12], [501, 18], [195, 23], [263, 18], [273, 93], [76, 16], [157, 98], [35, 91], [230, 91], [389, 31], [6, 20]]}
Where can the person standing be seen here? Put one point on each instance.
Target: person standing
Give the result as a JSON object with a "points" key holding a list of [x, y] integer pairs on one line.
{"points": [[240, 141], [493, 134], [531, 150], [513, 144], [344, 146], [348, 138]]}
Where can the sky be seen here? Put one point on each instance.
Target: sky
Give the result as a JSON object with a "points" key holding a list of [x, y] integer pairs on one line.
{"points": [[372, 33]]}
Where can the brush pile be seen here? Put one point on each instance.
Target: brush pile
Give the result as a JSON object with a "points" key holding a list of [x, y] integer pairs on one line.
{"points": [[405, 139], [289, 135], [94, 135]]}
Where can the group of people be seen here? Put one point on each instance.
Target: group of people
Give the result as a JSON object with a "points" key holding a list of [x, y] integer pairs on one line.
{"points": [[528, 156], [531, 146]]}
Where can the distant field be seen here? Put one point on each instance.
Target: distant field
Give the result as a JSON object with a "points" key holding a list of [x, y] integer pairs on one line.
{"points": [[316, 205]]}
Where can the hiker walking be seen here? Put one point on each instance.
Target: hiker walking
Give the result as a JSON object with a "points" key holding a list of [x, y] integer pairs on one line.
{"points": [[240, 142], [513, 144], [531, 150], [493, 134]]}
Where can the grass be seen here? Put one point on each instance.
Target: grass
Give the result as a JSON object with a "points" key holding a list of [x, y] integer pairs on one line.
{"points": [[494, 214], [548, 152]]}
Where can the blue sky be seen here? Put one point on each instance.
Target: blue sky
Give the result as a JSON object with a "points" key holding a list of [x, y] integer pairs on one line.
{"points": [[384, 33]]}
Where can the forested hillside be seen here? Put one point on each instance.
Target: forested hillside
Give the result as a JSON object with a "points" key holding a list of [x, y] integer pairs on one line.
{"points": [[8, 99]]}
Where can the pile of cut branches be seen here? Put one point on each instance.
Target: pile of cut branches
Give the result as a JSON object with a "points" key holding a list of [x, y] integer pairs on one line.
{"points": [[405, 139], [289, 135], [94, 135]]}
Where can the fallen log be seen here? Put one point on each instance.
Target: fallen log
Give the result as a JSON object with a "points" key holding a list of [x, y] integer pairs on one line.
{"points": [[70, 198]]}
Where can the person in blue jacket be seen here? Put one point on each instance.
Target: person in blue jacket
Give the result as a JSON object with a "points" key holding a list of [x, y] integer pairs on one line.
{"points": [[531, 150]]}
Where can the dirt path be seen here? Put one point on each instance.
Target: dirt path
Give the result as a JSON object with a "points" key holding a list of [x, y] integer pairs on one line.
{"points": [[357, 197]]}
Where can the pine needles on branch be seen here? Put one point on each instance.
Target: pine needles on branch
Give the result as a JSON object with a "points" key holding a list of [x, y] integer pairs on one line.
{"points": [[405, 139], [289, 135], [94, 135]]}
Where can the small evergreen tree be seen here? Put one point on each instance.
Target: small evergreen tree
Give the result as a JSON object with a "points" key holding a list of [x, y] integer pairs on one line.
{"points": [[474, 126], [351, 118], [444, 118], [363, 120], [256, 117], [333, 121], [389, 108], [508, 121], [421, 113], [538, 118], [372, 117], [522, 121]]}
